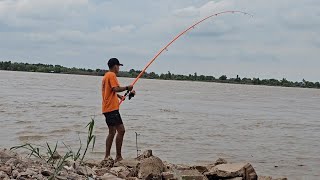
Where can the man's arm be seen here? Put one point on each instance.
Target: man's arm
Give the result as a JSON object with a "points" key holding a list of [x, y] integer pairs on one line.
{"points": [[121, 89]]}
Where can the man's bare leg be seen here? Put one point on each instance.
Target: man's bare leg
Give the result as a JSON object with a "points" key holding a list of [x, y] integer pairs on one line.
{"points": [[109, 140], [119, 140]]}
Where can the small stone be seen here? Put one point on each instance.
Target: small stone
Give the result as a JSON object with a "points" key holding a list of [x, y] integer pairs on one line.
{"points": [[56, 155], [68, 168], [236, 178], [200, 168], [5, 155], [169, 166], [81, 170], [74, 176], [220, 161], [191, 175], [132, 178], [167, 175], [182, 167], [31, 171], [264, 178], [84, 171], [100, 172], [107, 162], [7, 169], [23, 175], [153, 177], [46, 172], [109, 176], [15, 173], [38, 177], [61, 178], [121, 171], [145, 154], [3, 175], [13, 162], [92, 163]]}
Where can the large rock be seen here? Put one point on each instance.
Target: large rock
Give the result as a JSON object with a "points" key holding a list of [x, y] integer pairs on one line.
{"points": [[150, 168], [120, 171], [244, 170], [131, 163], [109, 176], [5, 155], [201, 168], [191, 175]]}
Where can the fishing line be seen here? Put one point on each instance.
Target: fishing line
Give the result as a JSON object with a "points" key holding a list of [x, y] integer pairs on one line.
{"points": [[165, 48]]}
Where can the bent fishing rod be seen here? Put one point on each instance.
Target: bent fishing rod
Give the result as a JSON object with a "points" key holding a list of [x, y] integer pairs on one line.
{"points": [[165, 48]]}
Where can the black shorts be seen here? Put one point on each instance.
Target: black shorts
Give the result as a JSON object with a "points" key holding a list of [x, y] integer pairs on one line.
{"points": [[113, 118]]}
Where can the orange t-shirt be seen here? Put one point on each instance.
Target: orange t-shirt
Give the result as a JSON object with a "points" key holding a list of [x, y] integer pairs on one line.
{"points": [[110, 100]]}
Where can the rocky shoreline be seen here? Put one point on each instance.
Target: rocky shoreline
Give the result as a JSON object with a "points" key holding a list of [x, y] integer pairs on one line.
{"points": [[146, 166]]}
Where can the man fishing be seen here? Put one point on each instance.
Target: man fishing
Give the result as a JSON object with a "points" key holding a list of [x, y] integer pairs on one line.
{"points": [[110, 107]]}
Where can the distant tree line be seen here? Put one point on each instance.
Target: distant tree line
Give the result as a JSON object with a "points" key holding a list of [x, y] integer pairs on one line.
{"points": [[48, 68]]}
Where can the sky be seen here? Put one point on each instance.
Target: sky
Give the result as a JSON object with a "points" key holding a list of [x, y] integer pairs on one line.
{"points": [[281, 40]]}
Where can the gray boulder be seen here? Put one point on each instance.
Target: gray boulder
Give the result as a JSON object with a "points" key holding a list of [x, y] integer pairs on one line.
{"points": [[150, 168], [244, 170]]}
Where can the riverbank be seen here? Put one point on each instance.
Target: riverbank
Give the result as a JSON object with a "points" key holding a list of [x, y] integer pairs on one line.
{"points": [[146, 166], [58, 69]]}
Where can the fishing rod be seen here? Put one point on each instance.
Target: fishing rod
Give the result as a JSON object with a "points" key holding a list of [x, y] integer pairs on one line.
{"points": [[165, 48]]}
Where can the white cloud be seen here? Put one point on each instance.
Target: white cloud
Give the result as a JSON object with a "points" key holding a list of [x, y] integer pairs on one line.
{"points": [[40, 13], [122, 29], [186, 12], [282, 36]]}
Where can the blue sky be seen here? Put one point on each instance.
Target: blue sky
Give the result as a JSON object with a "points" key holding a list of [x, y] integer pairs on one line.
{"points": [[281, 40]]}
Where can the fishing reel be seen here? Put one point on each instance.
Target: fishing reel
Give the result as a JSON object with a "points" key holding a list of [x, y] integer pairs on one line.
{"points": [[131, 95]]}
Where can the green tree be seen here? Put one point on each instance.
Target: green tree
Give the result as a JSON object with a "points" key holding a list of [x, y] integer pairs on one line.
{"points": [[256, 81], [223, 78]]}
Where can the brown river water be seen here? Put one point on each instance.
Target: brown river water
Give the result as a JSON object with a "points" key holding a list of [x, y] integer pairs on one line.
{"points": [[276, 129]]}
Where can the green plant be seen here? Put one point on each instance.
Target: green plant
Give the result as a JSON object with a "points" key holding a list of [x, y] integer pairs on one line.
{"points": [[89, 138], [51, 153], [74, 156], [62, 161], [35, 151]]}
